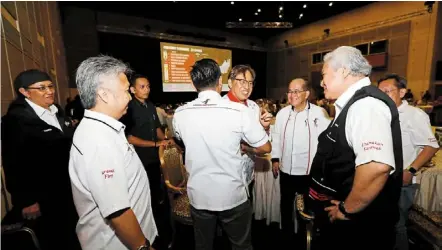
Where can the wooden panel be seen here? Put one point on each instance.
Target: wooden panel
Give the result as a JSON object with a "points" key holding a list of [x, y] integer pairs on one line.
{"points": [[398, 46], [401, 29], [369, 36], [31, 10], [23, 20], [6, 88], [10, 7], [29, 63], [398, 65], [383, 32], [11, 33], [15, 60]]}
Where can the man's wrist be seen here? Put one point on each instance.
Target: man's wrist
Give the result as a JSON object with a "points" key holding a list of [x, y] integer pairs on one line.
{"points": [[145, 246], [344, 211], [412, 170]]}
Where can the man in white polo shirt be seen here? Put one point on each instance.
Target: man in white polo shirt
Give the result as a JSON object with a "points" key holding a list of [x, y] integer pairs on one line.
{"points": [[241, 82], [418, 145], [212, 129], [109, 183]]}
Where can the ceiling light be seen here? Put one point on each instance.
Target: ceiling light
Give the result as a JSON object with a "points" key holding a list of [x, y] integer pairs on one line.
{"points": [[232, 2], [330, 4], [259, 10], [281, 8], [280, 16], [301, 15], [305, 6]]}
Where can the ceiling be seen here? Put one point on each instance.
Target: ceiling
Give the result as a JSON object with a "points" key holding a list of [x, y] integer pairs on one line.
{"points": [[214, 15]]}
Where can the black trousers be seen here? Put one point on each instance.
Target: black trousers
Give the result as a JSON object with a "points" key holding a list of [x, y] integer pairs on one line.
{"points": [[160, 205], [236, 222], [289, 186], [369, 234]]}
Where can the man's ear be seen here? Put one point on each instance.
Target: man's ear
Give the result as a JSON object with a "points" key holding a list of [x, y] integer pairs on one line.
{"points": [[132, 90], [402, 93], [307, 94], [102, 95], [24, 92], [229, 83]]}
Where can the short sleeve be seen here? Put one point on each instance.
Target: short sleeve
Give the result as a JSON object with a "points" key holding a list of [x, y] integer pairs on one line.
{"points": [[422, 135], [175, 128], [368, 132], [253, 132], [107, 180]]}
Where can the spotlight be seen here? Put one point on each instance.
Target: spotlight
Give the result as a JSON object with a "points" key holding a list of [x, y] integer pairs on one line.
{"points": [[305, 6], [240, 19], [330, 4], [232, 3], [256, 13], [280, 16], [281, 8], [259, 10], [429, 5]]}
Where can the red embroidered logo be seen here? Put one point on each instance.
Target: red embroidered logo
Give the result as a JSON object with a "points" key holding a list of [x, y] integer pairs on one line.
{"points": [[108, 173], [372, 145]]}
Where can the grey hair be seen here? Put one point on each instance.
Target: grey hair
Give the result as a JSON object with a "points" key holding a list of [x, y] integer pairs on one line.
{"points": [[350, 58], [90, 73]]}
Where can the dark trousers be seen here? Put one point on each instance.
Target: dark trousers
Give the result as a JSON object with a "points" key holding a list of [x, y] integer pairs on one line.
{"points": [[160, 205], [236, 222], [289, 186], [372, 234]]}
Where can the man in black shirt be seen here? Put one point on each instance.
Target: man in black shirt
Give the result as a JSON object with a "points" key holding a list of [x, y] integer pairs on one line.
{"points": [[143, 130]]}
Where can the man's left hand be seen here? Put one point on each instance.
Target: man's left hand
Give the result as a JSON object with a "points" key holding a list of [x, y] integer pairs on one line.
{"points": [[407, 177], [334, 213]]}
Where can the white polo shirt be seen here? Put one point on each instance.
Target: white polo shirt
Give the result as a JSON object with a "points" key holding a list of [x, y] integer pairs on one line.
{"points": [[107, 176], [48, 116], [367, 127], [248, 159], [212, 129], [416, 132]]}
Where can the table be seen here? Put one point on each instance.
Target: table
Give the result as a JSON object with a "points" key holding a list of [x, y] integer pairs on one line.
{"points": [[266, 195], [429, 193]]}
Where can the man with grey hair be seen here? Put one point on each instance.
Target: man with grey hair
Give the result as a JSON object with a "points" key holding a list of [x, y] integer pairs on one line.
{"points": [[109, 184], [357, 170]]}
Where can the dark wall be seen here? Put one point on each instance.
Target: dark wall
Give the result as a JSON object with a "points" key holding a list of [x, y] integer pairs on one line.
{"points": [[143, 55]]}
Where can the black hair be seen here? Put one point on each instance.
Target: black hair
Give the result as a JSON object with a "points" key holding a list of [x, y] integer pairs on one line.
{"points": [[400, 82], [205, 74]]}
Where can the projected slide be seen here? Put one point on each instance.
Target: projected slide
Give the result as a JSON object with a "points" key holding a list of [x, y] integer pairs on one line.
{"points": [[177, 60]]}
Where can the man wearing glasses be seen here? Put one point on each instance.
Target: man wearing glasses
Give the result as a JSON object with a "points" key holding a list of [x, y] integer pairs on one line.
{"points": [[418, 145], [36, 140], [241, 82], [295, 140]]}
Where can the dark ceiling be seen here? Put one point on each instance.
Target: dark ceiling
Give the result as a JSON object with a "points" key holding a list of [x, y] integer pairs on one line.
{"points": [[215, 14]]}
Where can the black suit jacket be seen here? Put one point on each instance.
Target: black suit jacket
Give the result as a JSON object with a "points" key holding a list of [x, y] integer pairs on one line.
{"points": [[35, 157]]}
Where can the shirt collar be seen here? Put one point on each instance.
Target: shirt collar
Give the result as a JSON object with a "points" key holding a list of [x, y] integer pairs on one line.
{"points": [[349, 93], [233, 98], [40, 111], [144, 104], [403, 106], [107, 120], [209, 94]]}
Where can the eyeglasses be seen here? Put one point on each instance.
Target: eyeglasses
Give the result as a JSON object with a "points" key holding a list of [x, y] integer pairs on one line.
{"points": [[295, 92], [389, 91], [43, 88], [245, 83]]}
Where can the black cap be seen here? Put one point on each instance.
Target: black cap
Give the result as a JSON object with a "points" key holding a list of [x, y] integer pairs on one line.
{"points": [[29, 77]]}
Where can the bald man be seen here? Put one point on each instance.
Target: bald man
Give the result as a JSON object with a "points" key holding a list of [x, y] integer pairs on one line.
{"points": [[295, 140]]}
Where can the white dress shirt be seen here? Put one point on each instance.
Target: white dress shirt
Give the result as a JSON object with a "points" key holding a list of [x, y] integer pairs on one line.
{"points": [[367, 128], [107, 176], [212, 129], [416, 132], [295, 138], [48, 116]]}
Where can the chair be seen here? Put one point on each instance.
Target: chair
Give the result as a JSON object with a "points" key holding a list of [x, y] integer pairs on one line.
{"points": [[310, 229], [175, 177], [15, 235]]}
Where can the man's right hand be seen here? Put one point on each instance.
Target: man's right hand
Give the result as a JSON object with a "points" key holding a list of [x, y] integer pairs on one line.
{"points": [[275, 169], [163, 143], [32, 212]]}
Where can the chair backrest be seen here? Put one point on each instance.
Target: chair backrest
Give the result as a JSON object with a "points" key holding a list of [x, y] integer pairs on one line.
{"points": [[172, 165]]}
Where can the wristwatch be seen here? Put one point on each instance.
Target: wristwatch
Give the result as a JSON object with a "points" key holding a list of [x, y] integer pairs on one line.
{"points": [[412, 170], [146, 245], [343, 211]]}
